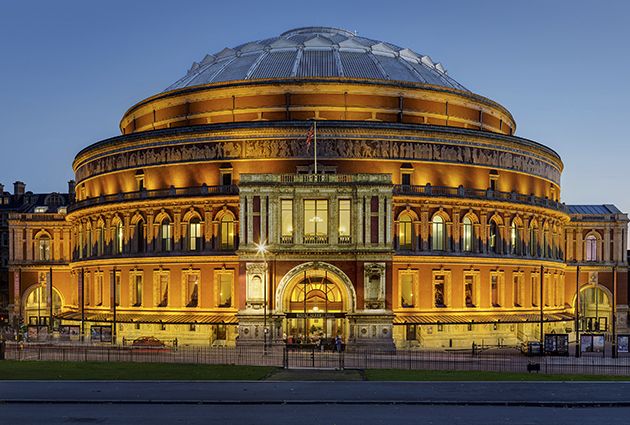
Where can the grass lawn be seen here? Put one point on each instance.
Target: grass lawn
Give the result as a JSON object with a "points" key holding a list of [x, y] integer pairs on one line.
{"points": [[127, 371], [436, 375]]}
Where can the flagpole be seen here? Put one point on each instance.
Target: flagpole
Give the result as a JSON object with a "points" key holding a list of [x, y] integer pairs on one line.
{"points": [[315, 137]]}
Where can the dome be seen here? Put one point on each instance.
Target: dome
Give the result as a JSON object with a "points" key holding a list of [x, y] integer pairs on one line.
{"points": [[316, 52]]}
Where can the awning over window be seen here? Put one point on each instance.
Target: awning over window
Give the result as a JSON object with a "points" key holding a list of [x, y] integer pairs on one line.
{"points": [[460, 319], [163, 318]]}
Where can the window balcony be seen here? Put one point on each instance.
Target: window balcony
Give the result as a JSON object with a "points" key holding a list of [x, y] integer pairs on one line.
{"points": [[315, 239], [345, 239], [286, 239]]}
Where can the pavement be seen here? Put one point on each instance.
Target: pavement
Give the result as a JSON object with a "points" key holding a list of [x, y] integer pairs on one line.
{"points": [[232, 393]]}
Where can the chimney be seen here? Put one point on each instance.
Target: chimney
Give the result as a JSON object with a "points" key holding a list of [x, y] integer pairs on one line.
{"points": [[19, 188], [1, 189], [71, 187]]}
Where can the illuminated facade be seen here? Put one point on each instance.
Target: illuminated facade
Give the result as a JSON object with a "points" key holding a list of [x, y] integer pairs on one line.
{"points": [[428, 223]]}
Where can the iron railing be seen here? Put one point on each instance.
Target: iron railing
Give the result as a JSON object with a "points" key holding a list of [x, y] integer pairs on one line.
{"points": [[171, 192], [463, 192]]}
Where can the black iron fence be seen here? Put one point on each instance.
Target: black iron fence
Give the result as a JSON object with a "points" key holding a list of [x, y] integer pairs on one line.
{"points": [[500, 359]]}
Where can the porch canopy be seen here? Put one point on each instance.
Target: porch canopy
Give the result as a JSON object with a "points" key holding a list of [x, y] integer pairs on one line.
{"points": [[461, 319], [158, 318]]}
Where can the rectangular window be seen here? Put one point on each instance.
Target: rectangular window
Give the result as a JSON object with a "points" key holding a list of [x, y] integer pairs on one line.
{"points": [[98, 289], [162, 290], [315, 221], [438, 291], [535, 284], [225, 289], [406, 290], [166, 236], [406, 179], [469, 291], [192, 290], [137, 290], [494, 290], [226, 178], [547, 291], [286, 218], [194, 237], [344, 221], [516, 288], [87, 288], [117, 288]]}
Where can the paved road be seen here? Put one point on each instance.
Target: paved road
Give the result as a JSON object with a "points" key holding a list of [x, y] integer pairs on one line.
{"points": [[342, 393], [304, 415]]}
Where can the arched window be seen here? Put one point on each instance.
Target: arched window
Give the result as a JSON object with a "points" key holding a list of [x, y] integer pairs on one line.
{"points": [[515, 239], [590, 252], [405, 226], [43, 248], [493, 237], [194, 234], [438, 234], [467, 234], [118, 238], [140, 240], [166, 236], [227, 232], [533, 240]]}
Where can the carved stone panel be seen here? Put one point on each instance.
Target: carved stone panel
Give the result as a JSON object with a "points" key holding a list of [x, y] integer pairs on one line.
{"points": [[255, 292], [374, 286]]}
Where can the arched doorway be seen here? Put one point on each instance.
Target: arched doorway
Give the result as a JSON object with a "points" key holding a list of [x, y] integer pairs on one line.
{"points": [[315, 299], [595, 309], [36, 307]]}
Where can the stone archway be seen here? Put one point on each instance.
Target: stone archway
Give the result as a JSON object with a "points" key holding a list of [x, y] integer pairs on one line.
{"points": [[315, 269], [595, 308], [315, 300], [35, 304]]}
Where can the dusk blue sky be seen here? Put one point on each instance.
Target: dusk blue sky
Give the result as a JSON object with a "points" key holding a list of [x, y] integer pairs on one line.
{"points": [[70, 69]]}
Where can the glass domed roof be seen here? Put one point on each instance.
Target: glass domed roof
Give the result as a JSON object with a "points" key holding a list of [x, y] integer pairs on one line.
{"points": [[316, 52]]}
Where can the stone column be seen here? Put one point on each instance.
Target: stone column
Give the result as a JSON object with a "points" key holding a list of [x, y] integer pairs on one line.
{"points": [[483, 233], [29, 245], [579, 245], [606, 254], [456, 231], [208, 228], [388, 222], [359, 221], [250, 219], [56, 252], [263, 219], [381, 218], [127, 233], [367, 215], [424, 229], [272, 214], [177, 230], [570, 234], [150, 231], [241, 220]]}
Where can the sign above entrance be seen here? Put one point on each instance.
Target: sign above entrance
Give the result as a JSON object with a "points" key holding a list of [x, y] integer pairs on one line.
{"points": [[316, 315]]}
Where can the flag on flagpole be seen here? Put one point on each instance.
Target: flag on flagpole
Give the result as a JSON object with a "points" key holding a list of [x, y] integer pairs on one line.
{"points": [[309, 136]]}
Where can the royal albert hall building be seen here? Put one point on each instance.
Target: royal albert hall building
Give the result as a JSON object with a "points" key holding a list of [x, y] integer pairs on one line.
{"points": [[423, 222]]}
